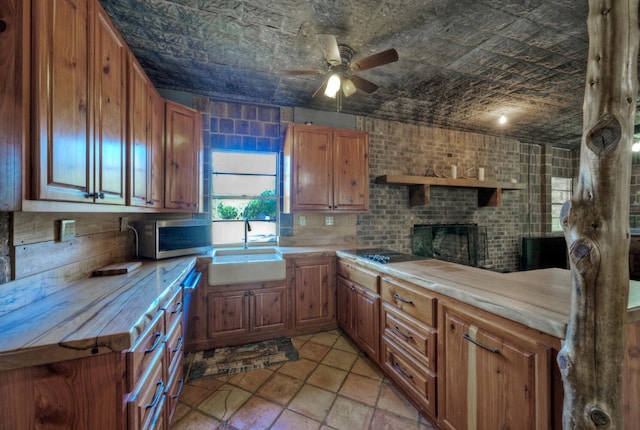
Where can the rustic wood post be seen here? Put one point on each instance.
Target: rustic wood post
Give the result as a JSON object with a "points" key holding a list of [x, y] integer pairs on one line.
{"points": [[596, 223]]}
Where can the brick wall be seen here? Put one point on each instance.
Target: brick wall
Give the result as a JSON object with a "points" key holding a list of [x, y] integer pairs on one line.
{"points": [[397, 148]]}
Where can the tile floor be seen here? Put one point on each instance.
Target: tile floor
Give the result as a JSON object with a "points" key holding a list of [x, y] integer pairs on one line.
{"points": [[331, 386]]}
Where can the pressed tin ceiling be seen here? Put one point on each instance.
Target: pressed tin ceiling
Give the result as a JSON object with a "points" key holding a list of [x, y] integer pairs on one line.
{"points": [[462, 63]]}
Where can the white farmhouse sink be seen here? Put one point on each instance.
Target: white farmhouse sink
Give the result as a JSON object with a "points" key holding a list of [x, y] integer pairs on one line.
{"points": [[239, 265]]}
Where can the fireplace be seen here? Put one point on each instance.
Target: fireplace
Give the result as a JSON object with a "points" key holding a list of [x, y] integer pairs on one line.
{"points": [[459, 243]]}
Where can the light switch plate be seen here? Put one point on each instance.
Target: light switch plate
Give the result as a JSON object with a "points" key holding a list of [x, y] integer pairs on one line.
{"points": [[302, 220], [67, 229]]}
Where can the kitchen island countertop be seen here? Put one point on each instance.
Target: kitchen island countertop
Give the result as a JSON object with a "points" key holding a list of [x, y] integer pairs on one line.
{"points": [[539, 299]]}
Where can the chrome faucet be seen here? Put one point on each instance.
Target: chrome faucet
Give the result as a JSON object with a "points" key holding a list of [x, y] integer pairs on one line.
{"points": [[247, 228]]}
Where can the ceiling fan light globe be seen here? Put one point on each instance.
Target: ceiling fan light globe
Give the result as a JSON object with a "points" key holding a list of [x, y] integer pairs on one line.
{"points": [[333, 86], [348, 88]]}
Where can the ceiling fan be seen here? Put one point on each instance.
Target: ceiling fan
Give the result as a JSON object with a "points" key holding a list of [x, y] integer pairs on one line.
{"points": [[342, 70]]}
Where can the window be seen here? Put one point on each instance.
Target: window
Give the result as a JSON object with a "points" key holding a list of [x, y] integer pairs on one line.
{"points": [[243, 188], [560, 193]]}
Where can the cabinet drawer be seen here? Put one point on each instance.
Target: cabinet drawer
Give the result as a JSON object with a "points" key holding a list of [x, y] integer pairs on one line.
{"points": [[148, 343], [360, 275], [146, 401], [175, 343], [416, 338], [173, 309], [413, 377], [174, 389], [411, 299]]}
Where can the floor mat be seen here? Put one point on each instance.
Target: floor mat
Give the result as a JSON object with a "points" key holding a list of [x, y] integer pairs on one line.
{"points": [[234, 359]]}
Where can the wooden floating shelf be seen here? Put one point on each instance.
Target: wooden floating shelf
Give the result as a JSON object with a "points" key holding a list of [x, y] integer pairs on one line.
{"points": [[489, 192]]}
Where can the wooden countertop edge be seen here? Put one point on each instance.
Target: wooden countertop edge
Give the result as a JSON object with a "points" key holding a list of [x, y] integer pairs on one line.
{"points": [[97, 332]]}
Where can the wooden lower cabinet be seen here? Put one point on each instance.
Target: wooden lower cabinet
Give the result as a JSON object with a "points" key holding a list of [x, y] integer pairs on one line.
{"points": [[493, 373], [359, 306], [236, 314], [314, 291]]}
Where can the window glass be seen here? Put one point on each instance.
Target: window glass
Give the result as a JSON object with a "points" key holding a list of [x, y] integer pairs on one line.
{"points": [[244, 187], [561, 189]]}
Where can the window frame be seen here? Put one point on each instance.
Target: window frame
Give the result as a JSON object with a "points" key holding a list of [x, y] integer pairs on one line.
{"points": [[555, 221], [218, 197]]}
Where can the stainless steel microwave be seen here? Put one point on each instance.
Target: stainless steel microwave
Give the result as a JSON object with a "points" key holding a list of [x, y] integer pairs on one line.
{"points": [[158, 239]]}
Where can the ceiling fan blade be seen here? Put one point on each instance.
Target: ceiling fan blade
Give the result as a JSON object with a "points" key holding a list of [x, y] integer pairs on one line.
{"points": [[330, 49], [364, 85], [301, 72], [384, 57]]}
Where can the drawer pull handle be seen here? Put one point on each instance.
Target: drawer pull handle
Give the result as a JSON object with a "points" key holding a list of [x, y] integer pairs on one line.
{"points": [[178, 308], [156, 398], [158, 336], [467, 337], [179, 346], [176, 395], [403, 334], [401, 370], [397, 297]]}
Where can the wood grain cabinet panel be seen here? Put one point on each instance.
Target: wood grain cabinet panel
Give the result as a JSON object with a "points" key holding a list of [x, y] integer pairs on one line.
{"points": [[314, 292], [145, 140], [326, 170], [183, 158], [491, 376], [359, 310]]}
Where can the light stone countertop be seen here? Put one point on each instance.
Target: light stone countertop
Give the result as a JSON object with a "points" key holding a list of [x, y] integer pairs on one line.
{"points": [[539, 299], [92, 316]]}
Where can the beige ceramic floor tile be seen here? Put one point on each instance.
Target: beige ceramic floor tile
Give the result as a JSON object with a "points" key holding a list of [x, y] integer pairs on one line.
{"points": [[181, 411], [300, 368], [224, 402], [385, 420], [347, 414], [251, 380], [313, 351], [210, 384], [364, 367], [280, 388], [324, 338], [345, 344], [340, 359], [290, 420], [304, 337], [195, 421], [391, 399], [256, 414], [312, 402], [327, 377], [193, 395], [297, 342], [360, 388]]}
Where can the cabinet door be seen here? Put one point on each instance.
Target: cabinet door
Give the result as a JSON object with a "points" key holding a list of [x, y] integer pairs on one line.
{"points": [[488, 382], [139, 135], [183, 128], [312, 182], [315, 292], [227, 313], [60, 98], [350, 171], [268, 309], [367, 321], [155, 149], [345, 305], [110, 111]]}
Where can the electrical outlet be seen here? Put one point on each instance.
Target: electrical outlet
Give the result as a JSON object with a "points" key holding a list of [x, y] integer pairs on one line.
{"points": [[124, 223], [302, 220], [67, 229], [328, 220]]}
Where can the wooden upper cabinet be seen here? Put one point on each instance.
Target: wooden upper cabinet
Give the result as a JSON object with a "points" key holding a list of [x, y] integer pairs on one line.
{"points": [[326, 170], [183, 158], [62, 132], [146, 140], [110, 92], [79, 103]]}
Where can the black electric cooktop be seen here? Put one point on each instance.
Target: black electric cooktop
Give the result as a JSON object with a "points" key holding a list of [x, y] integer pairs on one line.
{"points": [[381, 255]]}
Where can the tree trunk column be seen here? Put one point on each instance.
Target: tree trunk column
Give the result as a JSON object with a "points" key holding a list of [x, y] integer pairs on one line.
{"points": [[596, 223]]}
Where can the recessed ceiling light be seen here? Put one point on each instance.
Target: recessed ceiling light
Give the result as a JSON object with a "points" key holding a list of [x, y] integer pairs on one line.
{"points": [[503, 119]]}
